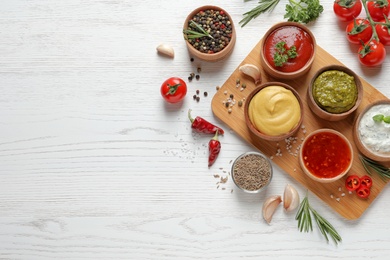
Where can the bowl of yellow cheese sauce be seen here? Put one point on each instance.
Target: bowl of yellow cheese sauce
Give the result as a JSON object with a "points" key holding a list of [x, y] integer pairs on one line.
{"points": [[274, 111]]}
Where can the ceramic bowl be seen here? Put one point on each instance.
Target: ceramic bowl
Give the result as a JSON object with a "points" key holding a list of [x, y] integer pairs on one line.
{"points": [[252, 172], [211, 57], [319, 111], [365, 125], [263, 135], [325, 151], [276, 72]]}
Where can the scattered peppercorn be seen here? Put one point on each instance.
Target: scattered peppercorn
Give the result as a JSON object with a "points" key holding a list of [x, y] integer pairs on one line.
{"points": [[197, 99], [199, 69], [205, 94], [189, 78], [194, 96], [237, 81], [231, 96], [197, 77], [197, 91], [240, 103], [192, 59]]}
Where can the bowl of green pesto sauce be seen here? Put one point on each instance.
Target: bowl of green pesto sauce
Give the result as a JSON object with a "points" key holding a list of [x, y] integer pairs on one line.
{"points": [[334, 93]]}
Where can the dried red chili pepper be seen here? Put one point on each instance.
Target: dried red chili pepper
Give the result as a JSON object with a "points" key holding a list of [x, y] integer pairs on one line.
{"points": [[214, 149], [203, 126]]}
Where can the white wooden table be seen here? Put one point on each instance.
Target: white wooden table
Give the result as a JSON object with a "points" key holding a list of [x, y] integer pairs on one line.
{"points": [[95, 165]]}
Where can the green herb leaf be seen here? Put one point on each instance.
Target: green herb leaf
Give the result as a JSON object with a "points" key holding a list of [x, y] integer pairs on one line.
{"points": [[264, 6], [381, 170], [305, 221], [282, 55], [303, 11], [191, 34], [379, 118]]}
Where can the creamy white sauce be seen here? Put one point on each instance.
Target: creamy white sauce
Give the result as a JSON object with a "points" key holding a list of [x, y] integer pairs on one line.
{"points": [[375, 135]]}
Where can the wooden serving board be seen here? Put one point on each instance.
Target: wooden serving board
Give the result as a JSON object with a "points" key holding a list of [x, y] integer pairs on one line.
{"points": [[334, 194]]}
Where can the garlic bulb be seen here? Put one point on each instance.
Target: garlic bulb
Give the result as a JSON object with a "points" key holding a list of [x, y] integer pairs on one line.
{"points": [[252, 71], [166, 50], [290, 198], [269, 207]]}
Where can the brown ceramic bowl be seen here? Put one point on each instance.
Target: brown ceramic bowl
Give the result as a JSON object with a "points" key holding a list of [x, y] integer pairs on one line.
{"points": [[271, 102], [318, 110], [212, 57], [314, 138], [304, 68], [365, 126]]}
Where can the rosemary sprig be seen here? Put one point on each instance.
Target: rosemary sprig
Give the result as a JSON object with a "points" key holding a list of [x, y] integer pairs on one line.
{"points": [[383, 171], [191, 34], [305, 221], [264, 6]]}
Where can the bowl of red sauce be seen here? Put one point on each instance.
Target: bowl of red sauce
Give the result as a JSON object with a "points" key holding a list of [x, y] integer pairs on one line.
{"points": [[287, 50], [326, 155]]}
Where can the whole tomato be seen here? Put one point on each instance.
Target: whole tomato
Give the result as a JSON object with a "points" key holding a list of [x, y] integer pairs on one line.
{"points": [[383, 31], [173, 89], [372, 53], [378, 9], [359, 30], [347, 10]]}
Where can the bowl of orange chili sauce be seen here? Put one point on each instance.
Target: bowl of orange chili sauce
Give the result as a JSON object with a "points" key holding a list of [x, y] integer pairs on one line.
{"points": [[326, 155]]}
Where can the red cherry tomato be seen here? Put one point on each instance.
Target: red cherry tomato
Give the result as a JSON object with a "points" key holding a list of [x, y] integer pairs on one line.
{"points": [[347, 10], [378, 10], [173, 90], [352, 182], [363, 192], [383, 32], [372, 53], [359, 30], [366, 181]]}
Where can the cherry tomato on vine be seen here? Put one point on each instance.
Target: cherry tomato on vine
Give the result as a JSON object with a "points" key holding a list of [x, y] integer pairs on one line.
{"points": [[366, 181], [352, 182], [347, 10], [372, 53], [363, 192], [359, 30], [173, 90], [378, 9], [383, 32]]}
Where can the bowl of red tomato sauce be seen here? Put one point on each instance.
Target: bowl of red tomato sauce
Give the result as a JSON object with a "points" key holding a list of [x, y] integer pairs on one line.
{"points": [[326, 155], [287, 50]]}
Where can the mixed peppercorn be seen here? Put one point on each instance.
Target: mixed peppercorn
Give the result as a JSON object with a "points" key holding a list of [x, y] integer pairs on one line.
{"points": [[215, 30]]}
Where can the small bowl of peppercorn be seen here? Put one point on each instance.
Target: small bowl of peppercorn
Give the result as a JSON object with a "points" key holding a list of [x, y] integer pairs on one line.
{"points": [[209, 33], [287, 50]]}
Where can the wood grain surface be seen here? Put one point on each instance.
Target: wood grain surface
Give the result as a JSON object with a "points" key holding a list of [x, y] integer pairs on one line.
{"points": [[334, 194], [95, 165]]}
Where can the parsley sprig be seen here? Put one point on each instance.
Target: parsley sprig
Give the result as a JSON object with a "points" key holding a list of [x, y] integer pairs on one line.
{"points": [[303, 11], [304, 217], [282, 55]]}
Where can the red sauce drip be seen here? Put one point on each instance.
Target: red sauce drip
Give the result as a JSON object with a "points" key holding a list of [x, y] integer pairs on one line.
{"points": [[292, 36], [326, 155]]}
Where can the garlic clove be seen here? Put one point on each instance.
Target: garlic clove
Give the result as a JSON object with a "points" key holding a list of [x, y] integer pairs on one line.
{"points": [[290, 198], [252, 71], [269, 207], [166, 50]]}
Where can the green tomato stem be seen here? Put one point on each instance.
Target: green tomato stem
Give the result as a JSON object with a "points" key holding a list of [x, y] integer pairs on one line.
{"points": [[371, 21]]}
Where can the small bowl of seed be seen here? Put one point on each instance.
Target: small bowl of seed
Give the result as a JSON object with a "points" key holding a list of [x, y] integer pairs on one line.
{"points": [[209, 33], [252, 172]]}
